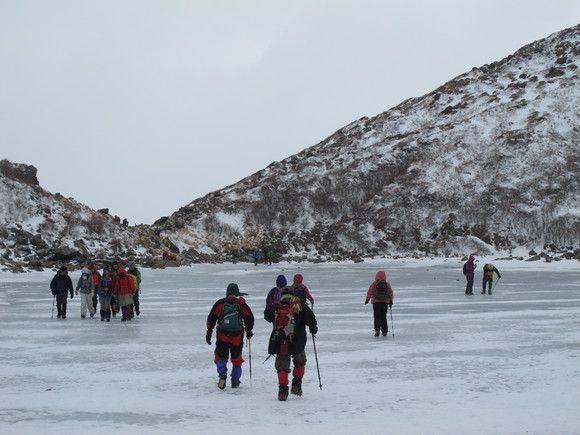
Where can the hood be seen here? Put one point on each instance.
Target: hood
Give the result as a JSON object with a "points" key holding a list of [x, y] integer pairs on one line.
{"points": [[381, 275], [234, 290], [298, 279], [471, 258], [281, 281]]}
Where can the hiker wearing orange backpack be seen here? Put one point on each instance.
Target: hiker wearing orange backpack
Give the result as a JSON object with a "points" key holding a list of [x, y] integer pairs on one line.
{"points": [[289, 318], [380, 293]]}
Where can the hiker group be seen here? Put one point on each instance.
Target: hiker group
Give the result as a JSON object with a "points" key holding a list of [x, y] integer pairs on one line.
{"points": [[488, 270], [115, 290], [288, 309]]}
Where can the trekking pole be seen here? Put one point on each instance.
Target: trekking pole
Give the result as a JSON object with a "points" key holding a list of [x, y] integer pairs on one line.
{"points": [[316, 358], [494, 286], [250, 355], [392, 323], [53, 299]]}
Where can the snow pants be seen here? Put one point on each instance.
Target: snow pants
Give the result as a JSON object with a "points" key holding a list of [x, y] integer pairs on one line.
{"points": [[380, 316], [225, 351], [105, 305], [282, 366], [61, 299], [469, 286], [87, 302], [485, 281]]}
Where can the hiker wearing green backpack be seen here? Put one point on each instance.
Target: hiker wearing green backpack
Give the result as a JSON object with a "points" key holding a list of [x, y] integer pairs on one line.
{"points": [[233, 316], [380, 294]]}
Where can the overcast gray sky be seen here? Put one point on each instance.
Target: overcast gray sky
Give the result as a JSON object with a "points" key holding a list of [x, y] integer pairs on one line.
{"points": [[142, 106]]}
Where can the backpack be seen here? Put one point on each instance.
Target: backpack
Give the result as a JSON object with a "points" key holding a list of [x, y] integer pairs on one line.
{"points": [[284, 322], [464, 269], [382, 290], [300, 292], [230, 321], [488, 270]]}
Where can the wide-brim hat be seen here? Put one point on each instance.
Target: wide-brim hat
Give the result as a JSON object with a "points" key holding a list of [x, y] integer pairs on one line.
{"points": [[234, 290]]}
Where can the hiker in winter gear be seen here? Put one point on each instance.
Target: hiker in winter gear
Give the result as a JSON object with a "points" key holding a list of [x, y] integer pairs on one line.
{"points": [[381, 295], [269, 256], [115, 308], [96, 277], [124, 286], [488, 271], [256, 257], [105, 292], [289, 318], [60, 285], [233, 316], [137, 274], [87, 288], [300, 290], [469, 272], [275, 293]]}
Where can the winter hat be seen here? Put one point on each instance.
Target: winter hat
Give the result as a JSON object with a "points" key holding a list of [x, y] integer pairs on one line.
{"points": [[85, 271], [106, 272], [131, 265], [62, 269], [298, 278], [121, 271], [234, 290], [281, 281]]}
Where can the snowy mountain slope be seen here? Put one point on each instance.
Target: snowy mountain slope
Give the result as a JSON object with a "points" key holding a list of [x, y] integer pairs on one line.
{"points": [[41, 228], [490, 160]]}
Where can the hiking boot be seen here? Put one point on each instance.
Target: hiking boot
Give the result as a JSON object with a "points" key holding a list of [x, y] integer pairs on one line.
{"points": [[92, 315], [483, 292], [377, 332], [385, 333], [283, 393], [235, 384], [296, 387], [83, 316], [222, 381]]}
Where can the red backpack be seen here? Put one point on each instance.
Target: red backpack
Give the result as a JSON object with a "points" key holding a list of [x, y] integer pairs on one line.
{"points": [[284, 322]]}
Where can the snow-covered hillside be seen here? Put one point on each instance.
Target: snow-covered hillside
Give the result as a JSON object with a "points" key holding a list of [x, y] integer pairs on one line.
{"points": [[489, 161]]}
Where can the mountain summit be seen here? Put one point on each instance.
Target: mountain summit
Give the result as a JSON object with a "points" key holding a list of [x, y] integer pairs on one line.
{"points": [[490, 160]]}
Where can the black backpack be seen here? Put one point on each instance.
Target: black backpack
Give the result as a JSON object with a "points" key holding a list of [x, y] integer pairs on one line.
{"points": [[382, 290], [230, 322]]}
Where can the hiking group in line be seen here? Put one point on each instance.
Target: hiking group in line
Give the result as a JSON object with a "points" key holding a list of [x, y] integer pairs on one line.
{"points": [[115, 290]]}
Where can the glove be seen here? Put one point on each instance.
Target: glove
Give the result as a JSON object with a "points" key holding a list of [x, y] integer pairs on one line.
{"points": [[366, 302], [77, 292], [53, 293], [249, 334], [391, 304], [71, 295], [208, 336], [313, 330]]}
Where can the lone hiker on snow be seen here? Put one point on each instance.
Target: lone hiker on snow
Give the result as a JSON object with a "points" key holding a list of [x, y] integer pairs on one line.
{"points": [[469, 272], [488, 271], [381, 293], [233, 316]]}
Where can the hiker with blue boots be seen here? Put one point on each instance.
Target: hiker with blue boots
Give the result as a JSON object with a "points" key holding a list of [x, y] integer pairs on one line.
{"points": [[233, 317]]}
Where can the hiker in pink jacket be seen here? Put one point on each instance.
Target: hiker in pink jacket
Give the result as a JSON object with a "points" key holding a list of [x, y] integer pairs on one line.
{"points": [[381, 294]]}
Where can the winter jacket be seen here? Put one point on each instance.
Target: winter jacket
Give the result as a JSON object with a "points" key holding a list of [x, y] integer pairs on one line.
{"points": [[380, 276], [302, 319], [137, 274], [124, 285], [96, 278], [274, 293], [86, 286], [488, 271], [235, 338], [469, 266], [60, 284], [105, 289], [298, 284]]}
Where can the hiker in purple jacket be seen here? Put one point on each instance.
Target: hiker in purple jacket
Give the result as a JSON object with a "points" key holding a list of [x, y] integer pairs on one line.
{"points": [[469, 272]]}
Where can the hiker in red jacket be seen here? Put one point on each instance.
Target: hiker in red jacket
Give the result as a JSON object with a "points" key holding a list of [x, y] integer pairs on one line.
{"points": [[232, 316], [124, 286], [382, 295]]}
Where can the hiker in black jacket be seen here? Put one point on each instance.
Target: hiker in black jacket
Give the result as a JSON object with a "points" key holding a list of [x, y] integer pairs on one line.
{"points": [[60, 285], [288, 339]]}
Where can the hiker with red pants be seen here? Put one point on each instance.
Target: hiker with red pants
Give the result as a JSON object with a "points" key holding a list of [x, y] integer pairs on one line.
{"points": [[124, 287], [381, 295], [289, 318], [233, 316]]}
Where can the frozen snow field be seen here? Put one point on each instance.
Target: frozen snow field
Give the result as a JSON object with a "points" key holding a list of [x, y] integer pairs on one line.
{"points": [[508, 363]]}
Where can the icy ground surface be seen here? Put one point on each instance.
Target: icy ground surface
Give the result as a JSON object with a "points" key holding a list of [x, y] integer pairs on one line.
{"points": [[508, 363]]}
